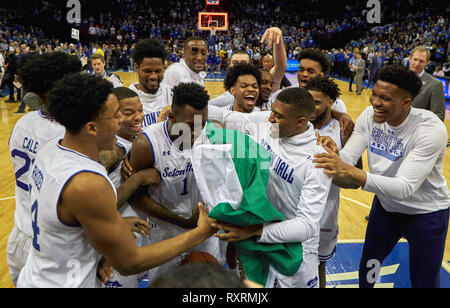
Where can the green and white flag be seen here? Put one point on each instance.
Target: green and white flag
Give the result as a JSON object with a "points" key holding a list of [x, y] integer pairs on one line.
{"points": [[232, 174]]}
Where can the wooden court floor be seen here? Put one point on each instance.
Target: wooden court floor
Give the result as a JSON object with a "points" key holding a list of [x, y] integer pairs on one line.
{"points": [[355, 204]]}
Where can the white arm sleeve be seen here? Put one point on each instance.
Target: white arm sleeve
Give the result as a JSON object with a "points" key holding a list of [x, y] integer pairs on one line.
{"points": [[226, 99], [357, 144], [416, 167], [310, 208], [244, 122]]}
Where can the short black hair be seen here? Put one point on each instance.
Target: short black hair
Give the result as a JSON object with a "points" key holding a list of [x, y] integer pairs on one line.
{"points": [[124, 93], [240, 70], [40, 73], [402, 77], [148, 49], [193, 38], [78, 99], [241, 52], [324, 85], [315, 55], [198, 275], [300, 98], [191, 94]]}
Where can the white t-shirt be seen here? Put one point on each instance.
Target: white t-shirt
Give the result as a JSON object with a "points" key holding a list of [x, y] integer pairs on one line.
{"points": [[405, 162], [153, 103], [180, 73]]}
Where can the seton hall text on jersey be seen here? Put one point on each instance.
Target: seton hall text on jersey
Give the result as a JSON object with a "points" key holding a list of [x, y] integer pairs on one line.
{"points": [[281, 167], [174, 172], [30, 145], [150, 119]]}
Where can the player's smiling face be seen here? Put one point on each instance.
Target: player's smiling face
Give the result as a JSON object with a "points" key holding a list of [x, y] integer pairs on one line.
{"points": [[308, 70], [266, 86], [389, 105], [245, 92], [195, 55], [151, 73], [132, 117]]}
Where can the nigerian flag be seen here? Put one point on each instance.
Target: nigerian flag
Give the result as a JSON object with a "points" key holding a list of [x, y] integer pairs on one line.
{"points": [[232, 174]]}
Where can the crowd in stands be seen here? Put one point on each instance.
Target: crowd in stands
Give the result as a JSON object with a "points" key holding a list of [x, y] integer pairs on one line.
{"points": [[113, 28]]}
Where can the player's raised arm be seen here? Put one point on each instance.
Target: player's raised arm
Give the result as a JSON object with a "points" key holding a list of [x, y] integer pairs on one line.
{"points": [[274, 37]]}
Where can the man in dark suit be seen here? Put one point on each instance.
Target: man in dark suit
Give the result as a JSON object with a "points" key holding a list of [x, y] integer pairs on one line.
{"points": [[431, 96], [375, 67]]}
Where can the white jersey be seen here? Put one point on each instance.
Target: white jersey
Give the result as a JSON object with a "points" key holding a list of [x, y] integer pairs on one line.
{"points": [[329, 220], [295, 187], [230, 108], [178, 191], [338, 104], [405, 162], [181, 73], [116, 177], [29, 135], [61, 255], [153, 103]]}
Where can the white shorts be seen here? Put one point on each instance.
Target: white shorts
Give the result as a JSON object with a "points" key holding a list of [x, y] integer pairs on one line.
{"points": [[306, 277], [17, 251], [327, 248]]}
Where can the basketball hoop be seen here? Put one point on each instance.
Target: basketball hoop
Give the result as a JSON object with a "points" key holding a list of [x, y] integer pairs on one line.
{"points": [[213, 31]]}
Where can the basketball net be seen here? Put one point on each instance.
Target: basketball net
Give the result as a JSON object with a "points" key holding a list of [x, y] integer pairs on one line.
{"points": [[213, 31]]}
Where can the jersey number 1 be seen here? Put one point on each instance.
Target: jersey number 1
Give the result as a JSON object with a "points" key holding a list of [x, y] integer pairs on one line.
{"points": [[185, 192]]}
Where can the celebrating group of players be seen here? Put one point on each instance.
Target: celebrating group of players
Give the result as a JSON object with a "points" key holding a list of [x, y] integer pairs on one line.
{"points": [[99, 166]]}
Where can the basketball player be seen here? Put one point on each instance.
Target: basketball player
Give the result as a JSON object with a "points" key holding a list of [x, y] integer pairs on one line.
{"points": [[314, 63], [227, 99], [98, 64], [243, 82], [131, 125], [29, 135], [325, 92], [191, 67], [294, 187], [274, 37], [74, 211], [162, 147], [265, 90], [406, 148], [149, 58]]}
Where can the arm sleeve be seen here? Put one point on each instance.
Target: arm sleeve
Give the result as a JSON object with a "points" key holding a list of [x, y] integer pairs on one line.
{"points": [[223, 100], [416, 167], [244, 122], [310, 208], [357, 144]]}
